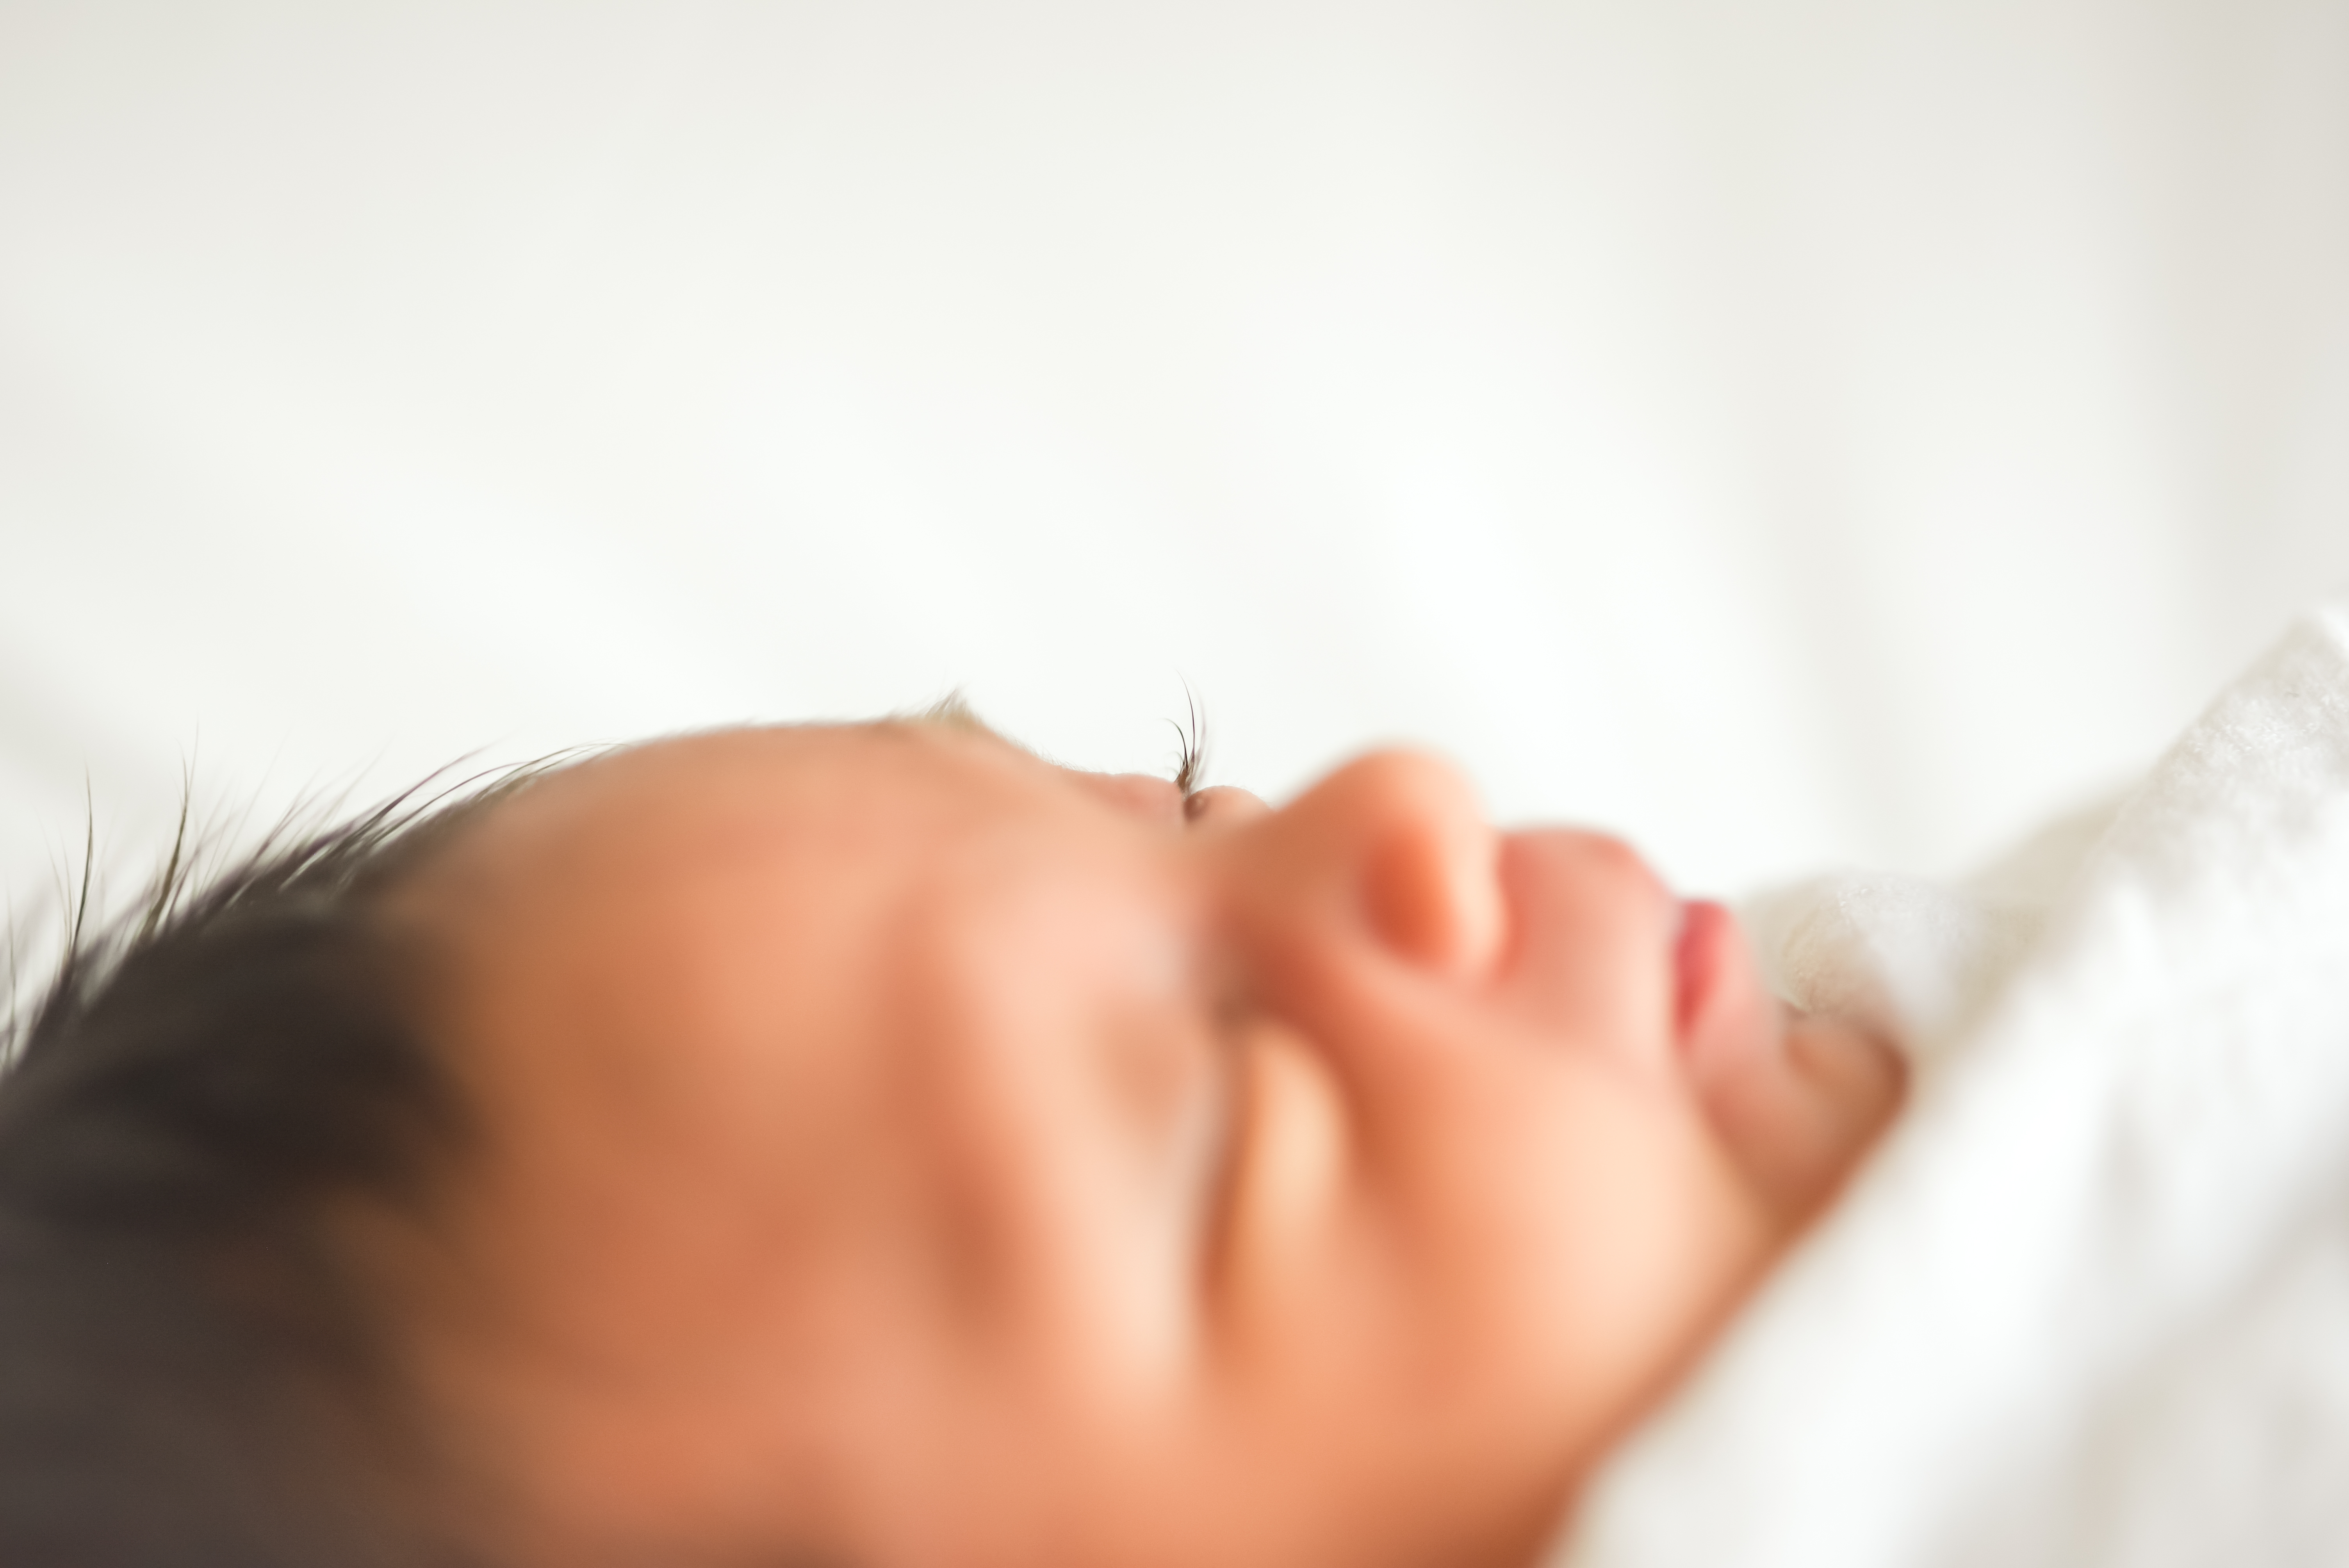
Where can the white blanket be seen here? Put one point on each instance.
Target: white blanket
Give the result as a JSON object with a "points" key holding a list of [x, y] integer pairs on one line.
{"points": [[2090, 1303]]}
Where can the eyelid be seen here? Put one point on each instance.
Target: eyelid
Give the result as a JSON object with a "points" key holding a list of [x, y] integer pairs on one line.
{"points": [[1226, 804]]}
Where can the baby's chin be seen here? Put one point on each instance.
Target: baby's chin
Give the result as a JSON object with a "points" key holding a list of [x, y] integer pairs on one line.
{"points": [[1797, 1099], [1838, 1086]]}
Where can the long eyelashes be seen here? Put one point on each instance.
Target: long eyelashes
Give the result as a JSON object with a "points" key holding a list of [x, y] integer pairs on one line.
{"points": [[1190, 762]]}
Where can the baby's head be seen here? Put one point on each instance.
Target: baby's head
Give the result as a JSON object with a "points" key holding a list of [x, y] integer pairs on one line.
{"points": [[881, 1147]]}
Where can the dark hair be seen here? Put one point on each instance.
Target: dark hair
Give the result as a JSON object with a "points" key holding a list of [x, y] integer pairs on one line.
{"points": [[194, 1371]]}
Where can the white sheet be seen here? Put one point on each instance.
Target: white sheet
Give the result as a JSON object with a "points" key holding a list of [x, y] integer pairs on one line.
{"points": [[1783, 435], [2091, 1303]]}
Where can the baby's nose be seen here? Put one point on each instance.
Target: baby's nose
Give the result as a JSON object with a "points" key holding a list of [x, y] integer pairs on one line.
{"points": [[1397, 842]]}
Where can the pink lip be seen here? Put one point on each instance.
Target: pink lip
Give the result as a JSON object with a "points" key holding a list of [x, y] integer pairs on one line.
{"points": [[1697, 957]]}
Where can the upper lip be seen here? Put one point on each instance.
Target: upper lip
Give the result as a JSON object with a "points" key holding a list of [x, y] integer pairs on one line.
{"points": [[1521, 940]]}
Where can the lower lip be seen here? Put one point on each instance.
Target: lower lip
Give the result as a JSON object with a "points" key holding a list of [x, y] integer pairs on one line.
{"points": [[1697, 957]]}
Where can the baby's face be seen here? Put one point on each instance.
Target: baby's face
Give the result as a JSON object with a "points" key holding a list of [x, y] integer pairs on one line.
{"points": [[899, 1146]]}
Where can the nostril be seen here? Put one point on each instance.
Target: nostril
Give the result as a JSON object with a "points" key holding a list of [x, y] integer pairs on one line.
{"points": [[1432, 890]]}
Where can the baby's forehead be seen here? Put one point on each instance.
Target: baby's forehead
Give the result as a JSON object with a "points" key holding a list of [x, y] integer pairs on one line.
{"points": [[660, 861], [723, 890], [755, 910], [776, 772]]}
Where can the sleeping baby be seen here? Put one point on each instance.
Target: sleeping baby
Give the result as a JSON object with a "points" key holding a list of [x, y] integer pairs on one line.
{"points": [[872, 1145]]}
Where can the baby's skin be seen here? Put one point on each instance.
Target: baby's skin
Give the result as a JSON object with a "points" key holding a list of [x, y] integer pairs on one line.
{"points": [[900, 1151]]}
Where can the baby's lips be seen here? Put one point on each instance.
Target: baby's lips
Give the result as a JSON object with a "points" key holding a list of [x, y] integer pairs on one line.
{"points": [[1724, 1021], [1699, 954]]}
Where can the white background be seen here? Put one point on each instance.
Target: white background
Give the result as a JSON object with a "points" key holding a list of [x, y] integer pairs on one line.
{"points": [[1788, 434]]}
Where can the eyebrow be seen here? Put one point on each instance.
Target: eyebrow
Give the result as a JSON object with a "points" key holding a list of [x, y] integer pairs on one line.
{"points": [[954, 712]]}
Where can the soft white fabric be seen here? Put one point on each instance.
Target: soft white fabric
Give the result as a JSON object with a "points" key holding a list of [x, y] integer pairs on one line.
{"points": [[2090, 1304], [1783, 433]]}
